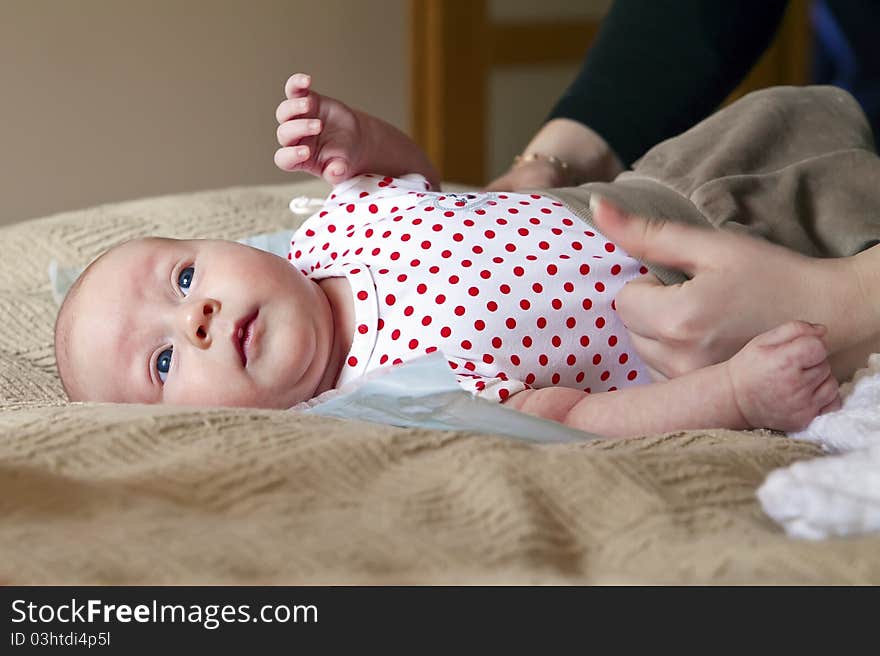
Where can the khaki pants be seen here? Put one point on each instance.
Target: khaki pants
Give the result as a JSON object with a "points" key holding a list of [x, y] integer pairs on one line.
{"points": [[794, 165]]}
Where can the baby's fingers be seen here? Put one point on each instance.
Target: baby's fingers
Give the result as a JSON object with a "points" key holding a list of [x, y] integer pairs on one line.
{"points": [[287, 159], [297, 85], [293, 107], [290, 132]]}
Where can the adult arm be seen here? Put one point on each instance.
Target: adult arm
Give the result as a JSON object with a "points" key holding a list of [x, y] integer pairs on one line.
{"points": [[656, 69], [739, 286]]}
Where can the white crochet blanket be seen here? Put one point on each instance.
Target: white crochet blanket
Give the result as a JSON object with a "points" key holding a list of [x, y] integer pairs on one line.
{"points": [[839, 494]]}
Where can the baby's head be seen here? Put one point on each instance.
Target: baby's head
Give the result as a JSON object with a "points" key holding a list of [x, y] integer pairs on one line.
{"points": [[198, 322]]}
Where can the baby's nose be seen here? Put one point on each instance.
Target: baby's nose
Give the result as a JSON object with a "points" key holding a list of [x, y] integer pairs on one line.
{"points": [[198, 317]]}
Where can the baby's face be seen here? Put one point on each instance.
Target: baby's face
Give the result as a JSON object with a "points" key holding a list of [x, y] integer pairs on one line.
{"points": [[198, 323]]}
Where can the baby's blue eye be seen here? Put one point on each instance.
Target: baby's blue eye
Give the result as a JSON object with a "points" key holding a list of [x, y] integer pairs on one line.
{"points": [[163, 364], [184, 279]]}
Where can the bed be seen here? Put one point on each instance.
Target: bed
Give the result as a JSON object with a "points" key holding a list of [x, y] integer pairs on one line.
{"points": [[128, 494]]}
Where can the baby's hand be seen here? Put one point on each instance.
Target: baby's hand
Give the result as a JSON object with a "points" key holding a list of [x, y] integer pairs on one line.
{"points": [[781, 379], [318, 134]]}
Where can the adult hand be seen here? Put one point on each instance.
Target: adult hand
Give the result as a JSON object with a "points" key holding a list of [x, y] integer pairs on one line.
{"points": [[740, 286], [587, 155], [535, 174]]}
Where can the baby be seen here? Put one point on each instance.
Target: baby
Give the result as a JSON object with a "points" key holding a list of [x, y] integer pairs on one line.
{"points": [[514, 290]]}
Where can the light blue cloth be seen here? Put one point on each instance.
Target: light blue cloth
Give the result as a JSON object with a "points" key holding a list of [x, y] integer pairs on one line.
{"points": [[424, 393]]}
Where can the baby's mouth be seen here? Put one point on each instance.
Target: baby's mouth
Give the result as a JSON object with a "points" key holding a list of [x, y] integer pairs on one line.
{"points": [[244, 336]]}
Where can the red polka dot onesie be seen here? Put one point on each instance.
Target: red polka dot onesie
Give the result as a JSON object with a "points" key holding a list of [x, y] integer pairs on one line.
{"points": [[513, 289]]}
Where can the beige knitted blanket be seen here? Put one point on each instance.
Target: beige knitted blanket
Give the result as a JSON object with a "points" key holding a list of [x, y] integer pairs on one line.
{"points": [[109, 494]]}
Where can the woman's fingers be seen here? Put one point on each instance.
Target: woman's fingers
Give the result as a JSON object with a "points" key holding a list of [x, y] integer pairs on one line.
{"points": [[289, 133], [670, 243], [297, 85], [648, 308]]}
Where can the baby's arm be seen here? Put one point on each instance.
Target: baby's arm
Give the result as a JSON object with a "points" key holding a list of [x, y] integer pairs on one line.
{"points": [[329, 139], [781, 380]]}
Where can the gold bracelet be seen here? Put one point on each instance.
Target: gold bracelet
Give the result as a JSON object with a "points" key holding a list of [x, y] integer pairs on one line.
{"points": [[519, 160]]}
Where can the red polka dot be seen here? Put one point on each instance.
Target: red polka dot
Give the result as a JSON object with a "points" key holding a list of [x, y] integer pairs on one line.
{"points": [[408, 310], [380, 324], [612, 341], [605, 375], [569, 287], [510, 248], [519, 271], [527, 341], [623, 358], [390, 300], [543, 245], [643, 270], [597, 359], [362, 295], [446, 254], [571, 322], [458, 237], [570, 360], [445, 331], [453, 279], [413, 344], [421, 288], [373, 209], [504, 289], [530, 379], [479, 324], [585, 340], [402, 277], [555, 379], [580, 377], [459, 310], [631, 375], [556, 341], [466, 263], [556, 304], [426, 321], [584, 269], [524, 304], [485, 275], [363, 329], [609, 247], [541, 323], [514, 360], [600, 322], [352, 361], [542, 360], [503, 393], [600, 287], [395, 334], [488, 359], [440, 299], [615, 270], [537, 287], [491, 306], [490, 234], [383, 359], [496, 342], [511, 323], [587, 304], [552, 269], [473, 291], [405, 236], [466, 344]]}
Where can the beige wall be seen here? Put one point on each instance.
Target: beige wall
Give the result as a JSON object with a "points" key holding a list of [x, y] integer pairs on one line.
{"points": [[105, 100]]}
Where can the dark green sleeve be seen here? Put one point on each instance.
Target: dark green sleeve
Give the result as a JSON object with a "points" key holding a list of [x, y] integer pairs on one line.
{"points": [[657, 68]]}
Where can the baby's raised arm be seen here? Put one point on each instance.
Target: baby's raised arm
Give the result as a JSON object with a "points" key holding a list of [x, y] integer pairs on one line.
{"points": [[781, 380], [327, 138]]}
